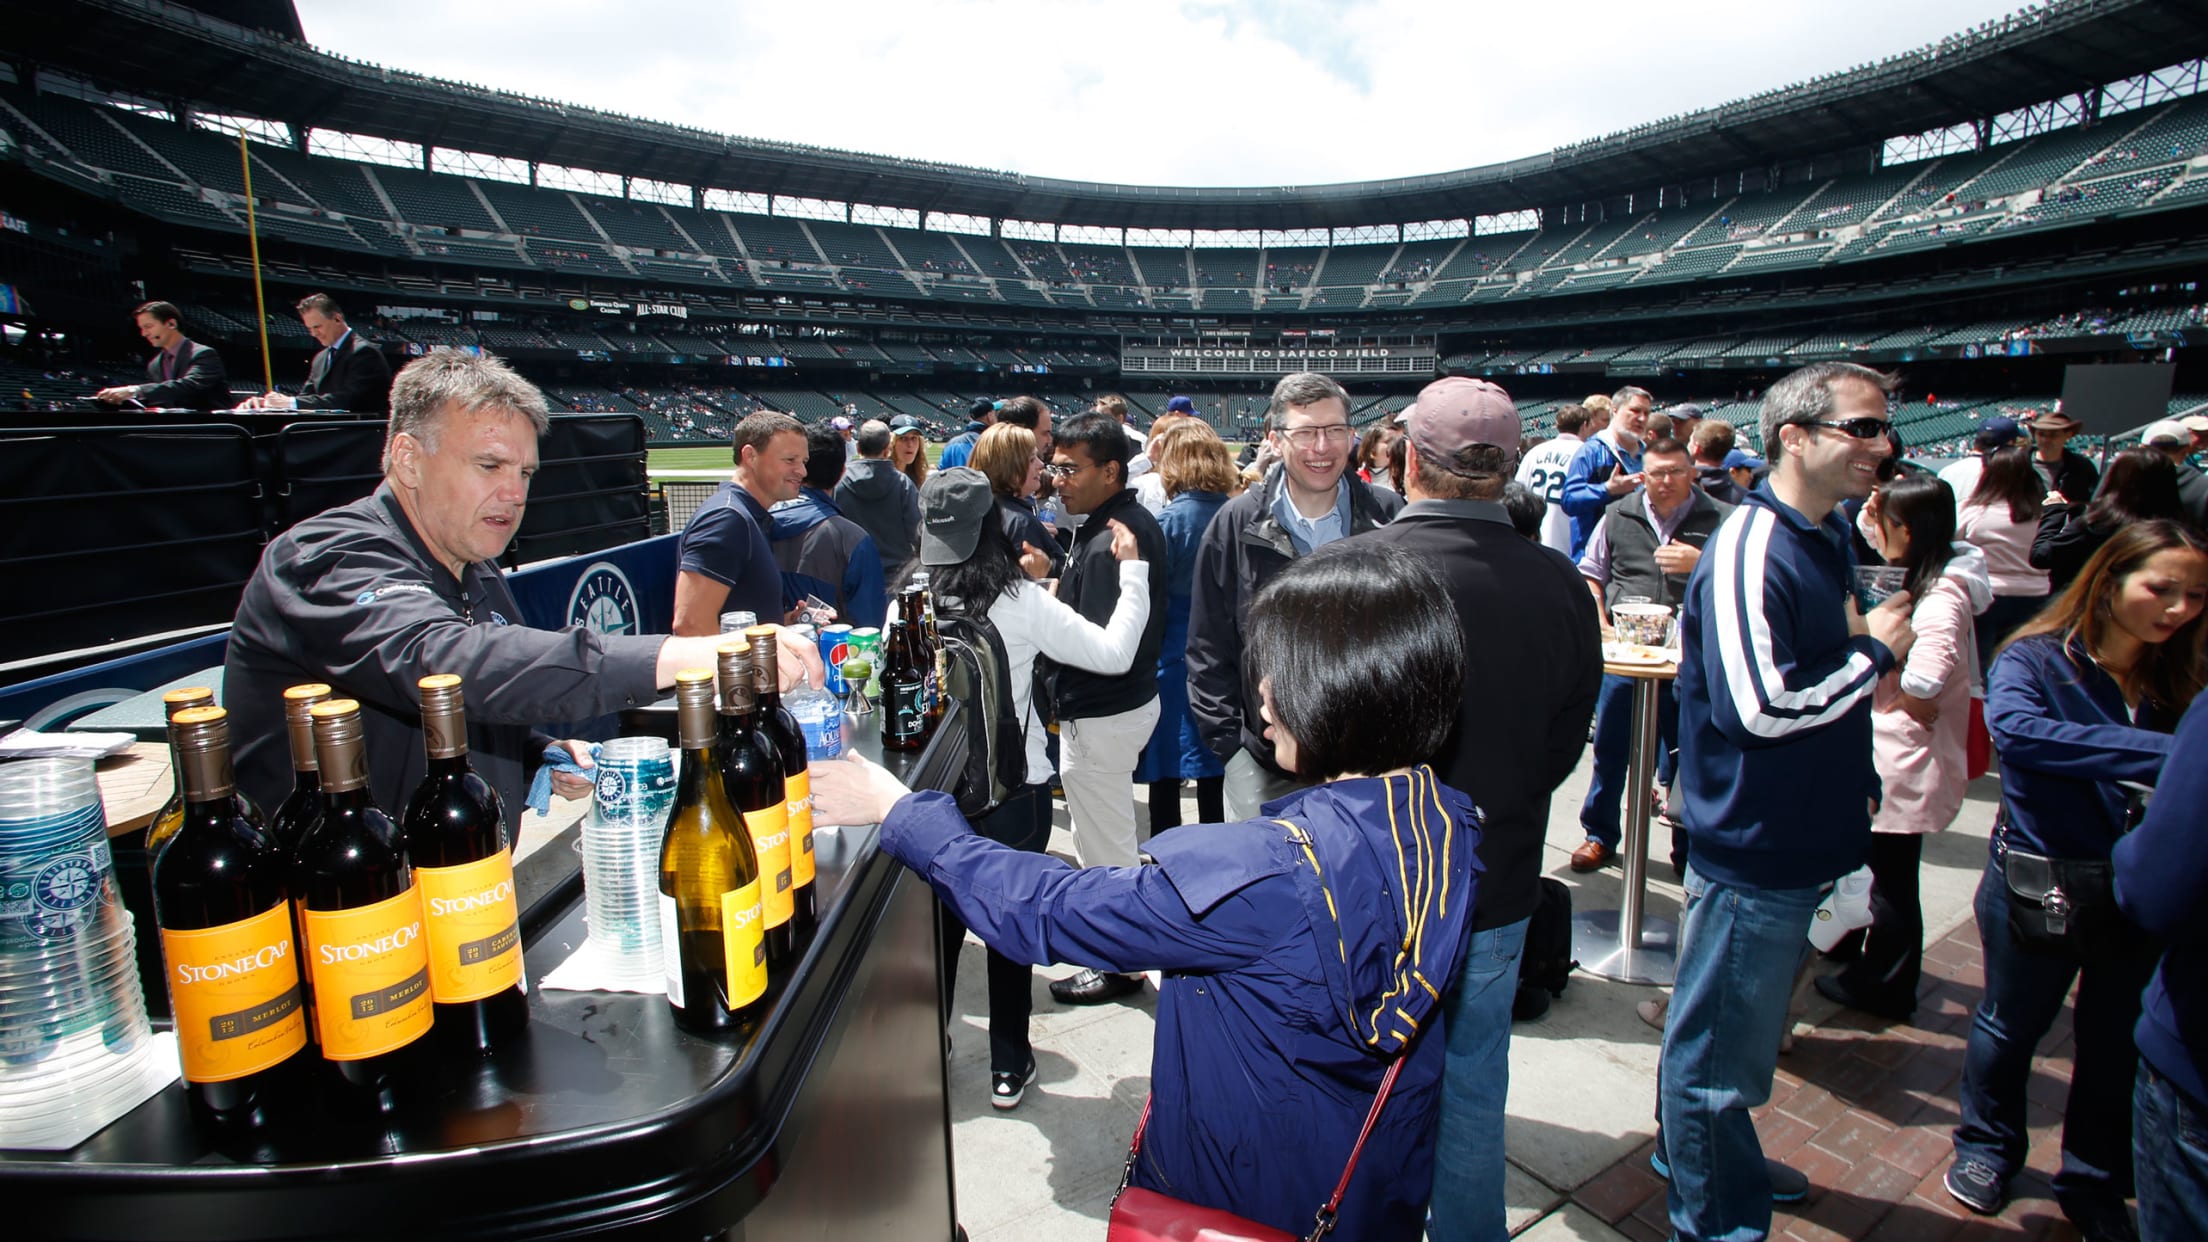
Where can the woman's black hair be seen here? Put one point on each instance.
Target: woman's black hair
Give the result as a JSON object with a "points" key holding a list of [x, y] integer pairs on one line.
{"points": [[1923, 505], [1316, 632], [2140, 486], [2008, 477], [992, 571]]}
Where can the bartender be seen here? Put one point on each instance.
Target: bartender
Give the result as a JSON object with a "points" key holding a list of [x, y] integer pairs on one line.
{"points": [[374, 595]]}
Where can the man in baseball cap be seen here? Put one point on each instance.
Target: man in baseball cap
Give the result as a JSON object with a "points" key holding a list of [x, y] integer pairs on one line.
{"points": [[2000, 431], [1531, 632], [2069, 473], [2174, 440]]}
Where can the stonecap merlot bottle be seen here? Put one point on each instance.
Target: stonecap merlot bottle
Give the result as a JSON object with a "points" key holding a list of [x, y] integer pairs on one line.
{"points": [[751, 769], [361, 917], [455, 836], [232, 967], [303, 805], [709, 914], [781, 726], [171, 815]]}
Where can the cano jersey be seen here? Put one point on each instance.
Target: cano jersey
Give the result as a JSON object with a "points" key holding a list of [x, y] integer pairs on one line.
{"points": [[1542, 472]]}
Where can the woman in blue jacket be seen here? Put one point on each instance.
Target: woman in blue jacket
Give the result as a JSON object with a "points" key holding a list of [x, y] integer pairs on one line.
{"points": [[1198, 476], [2081, 700], [1302, 954]]}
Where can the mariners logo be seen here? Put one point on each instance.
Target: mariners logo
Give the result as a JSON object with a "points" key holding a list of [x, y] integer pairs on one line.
{"points": [[67, 883], [612, 787], [604, 601]]}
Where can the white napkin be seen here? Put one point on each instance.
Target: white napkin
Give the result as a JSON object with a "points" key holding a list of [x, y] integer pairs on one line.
{"points": [[595, 967], [30, 744]]}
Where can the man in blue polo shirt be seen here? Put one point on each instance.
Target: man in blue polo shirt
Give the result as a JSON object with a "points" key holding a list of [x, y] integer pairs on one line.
{"points": [[726, 563]]}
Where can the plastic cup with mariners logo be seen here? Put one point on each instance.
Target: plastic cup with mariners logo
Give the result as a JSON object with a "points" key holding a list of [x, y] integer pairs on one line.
{"points": [[835, 648], [634, 794], [74, 1035], [867, 644]]}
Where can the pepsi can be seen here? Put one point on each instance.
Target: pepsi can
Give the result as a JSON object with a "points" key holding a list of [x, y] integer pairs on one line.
{"points": [[835, 648]]}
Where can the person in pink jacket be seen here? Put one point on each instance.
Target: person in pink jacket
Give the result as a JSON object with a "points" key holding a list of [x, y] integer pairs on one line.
{"points": [[1920, 720], [2001, 518]]}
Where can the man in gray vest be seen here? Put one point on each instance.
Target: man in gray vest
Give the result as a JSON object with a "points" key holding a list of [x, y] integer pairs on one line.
{"points": [[1644, 547]]}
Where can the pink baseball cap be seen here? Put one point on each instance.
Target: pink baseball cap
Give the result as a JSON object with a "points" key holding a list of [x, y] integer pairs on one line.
{"points": [[1456, 412]]}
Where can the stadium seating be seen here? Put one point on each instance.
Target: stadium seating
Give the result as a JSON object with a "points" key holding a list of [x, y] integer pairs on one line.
{"points": [[1354, 267], [939, 252], [853, 245], [430, 199], [633, 224], [773, 241], [1161, 268]]}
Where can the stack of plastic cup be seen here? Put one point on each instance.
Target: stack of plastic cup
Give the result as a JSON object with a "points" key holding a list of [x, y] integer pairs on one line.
{"points": [[620, 847], [75, 1043]]}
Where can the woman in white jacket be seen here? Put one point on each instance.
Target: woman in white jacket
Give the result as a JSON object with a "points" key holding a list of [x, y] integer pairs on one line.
{"points": [[1920, 722], [974, 569]]}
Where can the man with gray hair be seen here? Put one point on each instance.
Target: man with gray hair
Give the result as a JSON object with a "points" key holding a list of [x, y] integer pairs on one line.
{"points": [[1607, 468], [372, 596], [350, 373], [877, 495], [1306, 501]]}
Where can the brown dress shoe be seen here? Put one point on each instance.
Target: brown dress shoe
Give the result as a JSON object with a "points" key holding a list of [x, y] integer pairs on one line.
{"points": [[1592, 856]]}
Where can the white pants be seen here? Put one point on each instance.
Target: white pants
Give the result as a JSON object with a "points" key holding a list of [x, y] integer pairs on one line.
{"points": [[1096, 767]]}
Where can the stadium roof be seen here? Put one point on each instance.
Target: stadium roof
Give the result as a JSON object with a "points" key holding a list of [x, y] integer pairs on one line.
{"points": [[166, 51]]}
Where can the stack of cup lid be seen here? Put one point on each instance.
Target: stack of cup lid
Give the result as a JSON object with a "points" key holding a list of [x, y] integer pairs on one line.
{"points": [[635, 794], [76, 1047]]}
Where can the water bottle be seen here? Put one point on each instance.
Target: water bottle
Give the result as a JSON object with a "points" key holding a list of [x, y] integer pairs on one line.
{"points": [[820, 716], [1046, 511]]}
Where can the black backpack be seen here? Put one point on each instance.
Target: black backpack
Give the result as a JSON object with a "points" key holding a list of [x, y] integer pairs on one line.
{"points": [[1547, 964], [977, 673]]}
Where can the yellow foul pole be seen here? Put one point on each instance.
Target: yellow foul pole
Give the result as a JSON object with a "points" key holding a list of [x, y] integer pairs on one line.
{"points": [[253, 239]]}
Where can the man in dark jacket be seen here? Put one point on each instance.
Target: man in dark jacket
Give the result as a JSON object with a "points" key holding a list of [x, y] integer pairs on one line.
{"points": [[2171, 439], [877, 495], [1532, 665], [349, 374], [1307, 501], [2060, 468], [821, 552], [184, 375], [1104, 719], [1713, 442]]}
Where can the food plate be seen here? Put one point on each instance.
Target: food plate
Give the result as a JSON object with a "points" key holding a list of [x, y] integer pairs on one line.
{"points": [[1635, 653]]}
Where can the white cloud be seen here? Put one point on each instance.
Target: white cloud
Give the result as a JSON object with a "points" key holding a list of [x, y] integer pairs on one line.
{"points": [[1278, 92]]}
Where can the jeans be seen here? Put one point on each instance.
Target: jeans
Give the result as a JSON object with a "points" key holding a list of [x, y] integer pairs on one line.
{"points": [[2169, 1149], [1249, 785], [1614, 754], [2024, 993], [1023, 823], [1468, 1146], [1737, 957], [1885, 973], [1096, 768]]}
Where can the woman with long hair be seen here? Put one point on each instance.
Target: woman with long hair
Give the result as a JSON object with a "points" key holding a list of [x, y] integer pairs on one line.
{"points": [[909, 453], [2081, 703], [1297, 949], [1920, 725], [974, 571], [1005, 455], [2140, 486], [2000, 518], [1192, 464]]}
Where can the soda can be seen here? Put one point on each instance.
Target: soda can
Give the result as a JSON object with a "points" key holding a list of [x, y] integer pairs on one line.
{"points": [[835, 648], [868, 643]]}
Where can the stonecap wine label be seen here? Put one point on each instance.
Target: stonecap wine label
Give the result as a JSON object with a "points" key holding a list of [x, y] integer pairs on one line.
{"points": [[474, 925], [235, 992], [370, 969], [798, 791], [744, 944], [770, 839]]}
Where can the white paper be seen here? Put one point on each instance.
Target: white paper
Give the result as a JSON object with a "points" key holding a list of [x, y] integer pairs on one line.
{"points": [[30, 744], [595, 967]]}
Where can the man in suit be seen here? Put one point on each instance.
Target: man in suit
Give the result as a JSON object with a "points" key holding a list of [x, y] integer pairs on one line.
{"points": [[349, 374], [184, 375]]}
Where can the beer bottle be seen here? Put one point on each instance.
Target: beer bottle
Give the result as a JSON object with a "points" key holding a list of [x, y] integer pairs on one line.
{"points": [[226, 939], [904, 689], [751, 769], [361, 918], [709, 914], [304, 804], [780, 725], [455, 836], [171, 815]]}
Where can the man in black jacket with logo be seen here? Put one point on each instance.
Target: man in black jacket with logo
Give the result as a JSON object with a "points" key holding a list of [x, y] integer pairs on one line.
{"points": [[1533, 664], [1103, 720], [349, 374], [1305, 502]]}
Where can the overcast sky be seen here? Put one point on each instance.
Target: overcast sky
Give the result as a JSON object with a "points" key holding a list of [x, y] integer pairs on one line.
{"points": [[1264, 92]]}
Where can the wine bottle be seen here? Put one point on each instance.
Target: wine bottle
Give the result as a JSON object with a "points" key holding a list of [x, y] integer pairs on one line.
{"points": [[455, 836], [904, 708], [711, 924], [361, 917], [171, 815], [226, 938], [304, 804], [751, 770], [781, 727]]}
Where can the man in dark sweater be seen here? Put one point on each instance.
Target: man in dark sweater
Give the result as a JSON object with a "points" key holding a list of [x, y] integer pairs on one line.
{"points": [[1104, 720], [1533, 663], [1776, 782]]}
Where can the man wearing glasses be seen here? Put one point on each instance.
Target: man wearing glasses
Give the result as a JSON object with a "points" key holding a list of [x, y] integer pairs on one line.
{"points": [[1305, 502], [1776, 782]]}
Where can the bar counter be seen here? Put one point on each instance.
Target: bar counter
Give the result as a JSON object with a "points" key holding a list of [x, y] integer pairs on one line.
{"points": [[830, 1119]]}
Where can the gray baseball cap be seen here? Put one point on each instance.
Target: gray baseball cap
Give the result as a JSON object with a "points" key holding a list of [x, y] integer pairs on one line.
{"points": [[953, 505]]}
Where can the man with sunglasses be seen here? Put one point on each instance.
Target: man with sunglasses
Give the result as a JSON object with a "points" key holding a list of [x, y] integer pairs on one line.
{"points": [[1776, 782], [1305, 502]]}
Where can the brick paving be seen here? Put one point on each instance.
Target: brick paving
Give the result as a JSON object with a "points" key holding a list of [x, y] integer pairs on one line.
{"points": [[1864, 1107]]}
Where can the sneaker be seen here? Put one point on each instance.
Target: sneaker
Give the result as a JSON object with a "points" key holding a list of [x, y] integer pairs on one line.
{"points": [[1976, 1185], [1007, 1088], [1788, 1184], [1094, 987]]}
